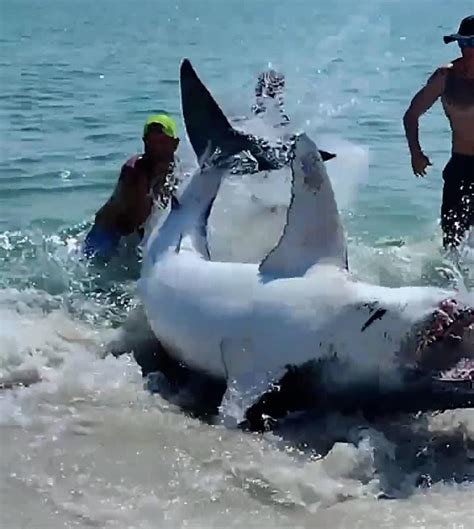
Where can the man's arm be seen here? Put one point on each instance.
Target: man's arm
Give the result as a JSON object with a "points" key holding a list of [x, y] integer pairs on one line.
{"points": [[423, 100], [132, 197]]}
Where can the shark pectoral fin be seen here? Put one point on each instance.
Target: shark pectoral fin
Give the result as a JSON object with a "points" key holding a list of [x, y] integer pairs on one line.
{"points": [[244, 391], [326, 155], [313, 231], [247, 383]]}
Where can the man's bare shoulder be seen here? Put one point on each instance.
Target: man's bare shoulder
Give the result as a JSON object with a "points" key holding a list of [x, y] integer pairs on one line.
{"points": [[131, 167], [132, 163], [130, 175], [441, 72]]}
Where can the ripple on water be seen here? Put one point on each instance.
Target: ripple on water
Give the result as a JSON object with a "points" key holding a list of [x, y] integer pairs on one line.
{"points": [[102, 136]]}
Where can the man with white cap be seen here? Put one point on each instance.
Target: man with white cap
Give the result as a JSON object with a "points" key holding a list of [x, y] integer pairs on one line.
{"points": [[454, 85]]}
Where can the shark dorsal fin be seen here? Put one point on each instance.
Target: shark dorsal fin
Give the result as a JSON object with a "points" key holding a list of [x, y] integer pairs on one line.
{"points": [[207, 127]]}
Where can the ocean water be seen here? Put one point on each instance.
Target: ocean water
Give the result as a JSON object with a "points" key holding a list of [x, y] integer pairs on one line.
{"points": [[84, 445]]}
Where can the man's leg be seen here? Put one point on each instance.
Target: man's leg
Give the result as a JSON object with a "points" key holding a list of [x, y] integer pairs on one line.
{"points": [[457, 205], [101, 243]]}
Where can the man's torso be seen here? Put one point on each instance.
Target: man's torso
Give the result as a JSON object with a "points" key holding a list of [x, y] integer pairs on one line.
{"points": [[458, 104], [132, 199]]}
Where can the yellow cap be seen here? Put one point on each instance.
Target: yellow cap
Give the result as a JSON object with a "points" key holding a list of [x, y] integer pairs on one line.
{"points": [[166, 121]]}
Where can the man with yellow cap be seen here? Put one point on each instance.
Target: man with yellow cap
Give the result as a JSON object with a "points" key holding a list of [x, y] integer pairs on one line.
{"points": [[143, 179]]}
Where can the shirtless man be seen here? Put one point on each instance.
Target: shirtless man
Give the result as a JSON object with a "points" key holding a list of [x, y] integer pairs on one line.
{"points": [[454, 84], [142, 179]]}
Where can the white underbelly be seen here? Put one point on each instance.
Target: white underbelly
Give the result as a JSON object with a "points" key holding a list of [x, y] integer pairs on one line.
{"points": [[223, 318]]}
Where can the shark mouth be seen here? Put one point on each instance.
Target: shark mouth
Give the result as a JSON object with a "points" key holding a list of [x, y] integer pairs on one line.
{"points": [[462, 371], [450, 327]]}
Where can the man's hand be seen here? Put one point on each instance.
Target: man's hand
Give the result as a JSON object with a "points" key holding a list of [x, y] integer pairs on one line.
{"points": [[419, 163], [422, 101]]}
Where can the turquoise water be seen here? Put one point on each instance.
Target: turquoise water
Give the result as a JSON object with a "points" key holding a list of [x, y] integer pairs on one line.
{"points": [[77, 80]]}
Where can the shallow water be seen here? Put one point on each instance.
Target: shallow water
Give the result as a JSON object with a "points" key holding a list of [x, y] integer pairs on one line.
{"points": [[88, 446]]}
